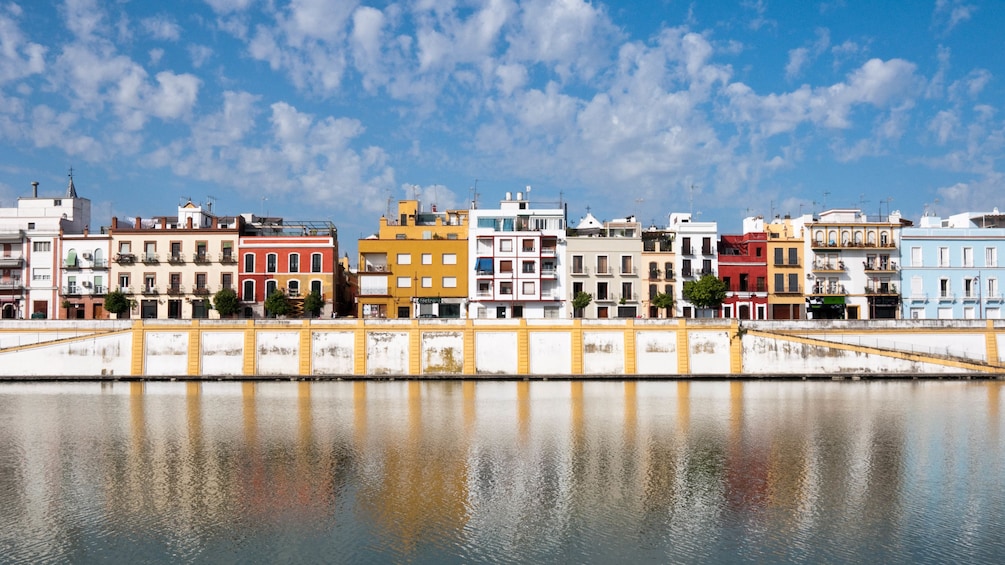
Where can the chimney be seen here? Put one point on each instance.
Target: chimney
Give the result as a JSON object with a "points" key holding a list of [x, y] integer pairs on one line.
{"points": [[216, 222], [188, 223], [115, 223], [139, 222], [164, 223], [34, 189]]}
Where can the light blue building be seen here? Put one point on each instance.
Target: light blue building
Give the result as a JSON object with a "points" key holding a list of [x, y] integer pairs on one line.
{"points": [[950, 267]]}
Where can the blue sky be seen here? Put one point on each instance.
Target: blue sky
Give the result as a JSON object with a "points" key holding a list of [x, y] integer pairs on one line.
{"points": [[325, 110]]}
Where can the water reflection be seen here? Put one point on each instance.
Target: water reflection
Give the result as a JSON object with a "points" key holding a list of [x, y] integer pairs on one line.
{"points": [[502, 471]]}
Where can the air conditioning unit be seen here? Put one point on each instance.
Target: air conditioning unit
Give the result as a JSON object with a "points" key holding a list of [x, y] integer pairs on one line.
{"points": [[86, 255], [87, 284]]}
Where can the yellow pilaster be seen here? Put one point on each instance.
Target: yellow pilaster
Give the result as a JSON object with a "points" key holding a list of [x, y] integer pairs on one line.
{"points": [[577, 346], [414, 349], [469, 347], [194, 349], [250, 348], [523, 349], [991, 341], [360, 349], [305, 348], [683, 350], [136, 363], [735, 349], [630, 347]]}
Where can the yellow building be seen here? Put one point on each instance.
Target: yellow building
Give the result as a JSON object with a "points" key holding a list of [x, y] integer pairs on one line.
{"points": [[786, 275], [416, 266]]}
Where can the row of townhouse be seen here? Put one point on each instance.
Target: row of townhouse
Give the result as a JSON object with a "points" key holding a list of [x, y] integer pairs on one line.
{"points": [[519, 260], [53, 266]]}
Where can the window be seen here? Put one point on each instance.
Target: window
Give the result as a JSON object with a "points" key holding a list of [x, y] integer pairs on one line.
{"points": [[528, 287], [944, 288], [316, 288], [506, 266], [990, 256], [449, 282], [506, 288], [527, 245], [270, 287], [228, 251], [199, 309], [969, 288], [992, 286], [294, 262], [626, 264], [427, 258], [174, 282], [200, 282], [653, 291], [249, 262], [149, 282], [793, 282], [627, 291], [150, 251], [226, 280], [41, 274], [779, 282], [200, 251], [41, 246], [685, 268], [528, 267], [602, 268], [706, 246], [602, 291], [779, 256], [917, 287], [793, 256], [449, 258], [175, 251], [668, 270], [943, 256], [577, 287], [270, 263], [577, 264], [484, 288], [505, 245], [404, 282], [315, 262], [968, 256], [427, 282], [293, 287], [916, 257], [404, 259], [123, 281], [248, 291]]}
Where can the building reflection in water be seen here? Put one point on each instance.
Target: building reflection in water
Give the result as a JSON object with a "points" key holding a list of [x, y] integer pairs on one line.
{"points": [[490, 470]]}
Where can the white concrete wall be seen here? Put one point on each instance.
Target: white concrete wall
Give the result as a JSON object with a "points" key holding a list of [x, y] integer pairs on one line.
{"points": [[709, 352], [603, 353], [442, 353], [222, 353], [333, 353], [767, 356], [495, 353], [387, 353], [550, 353], [656, 352], [165, 353], [101, 355], [278, 353], [956, 344]]}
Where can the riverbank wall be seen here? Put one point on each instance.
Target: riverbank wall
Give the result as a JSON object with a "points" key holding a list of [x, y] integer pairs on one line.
{"points": [[499, 348]]}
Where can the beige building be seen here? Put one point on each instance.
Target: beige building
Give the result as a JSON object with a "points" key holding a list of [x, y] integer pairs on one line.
{"points": [[657, 269], [170, 267], [604, 261], [787, 271]]}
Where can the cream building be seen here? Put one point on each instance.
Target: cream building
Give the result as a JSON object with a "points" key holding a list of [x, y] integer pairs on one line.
{"points": [[603, 261]]}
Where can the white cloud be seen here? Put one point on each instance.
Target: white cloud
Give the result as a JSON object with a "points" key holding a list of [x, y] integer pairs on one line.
{"points": [[18, 57], [798, 58], [161, 27], [943, 125], [950, 13], [229, 6], [155, 56], [199, 55]]}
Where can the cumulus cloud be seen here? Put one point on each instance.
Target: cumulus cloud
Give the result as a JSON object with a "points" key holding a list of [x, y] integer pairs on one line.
{"points": [[950, 13], [18, 56], [161, 27]]}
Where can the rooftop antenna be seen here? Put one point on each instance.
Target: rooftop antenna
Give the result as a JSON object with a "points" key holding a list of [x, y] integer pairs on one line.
{"points": [[474, 195], [862, 200], [263, 205], [210, 201], [826, 194]]}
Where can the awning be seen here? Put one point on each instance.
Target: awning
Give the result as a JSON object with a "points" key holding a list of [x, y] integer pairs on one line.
{"points": [[483, 265], [71, 258], [833, 300]]}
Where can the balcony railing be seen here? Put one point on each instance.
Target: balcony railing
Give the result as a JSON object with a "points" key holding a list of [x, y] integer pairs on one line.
{"points": [[201, 257], [892, 289], [73, 290], [175, 289], [99, 263], [883, 267], [8, 284], [228, 258], [176, 258], [582, 271], [150, 258], [100, 289], [71, 266], [150, 289], [200, 290], [631, 271], [8, 261], [834, 289], [125, 258], [829, 266], [604, 271]]}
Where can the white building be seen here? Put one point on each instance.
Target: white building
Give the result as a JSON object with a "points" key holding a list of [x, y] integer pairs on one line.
{"points": [[30, 257], [694, 248], [515, 254]]}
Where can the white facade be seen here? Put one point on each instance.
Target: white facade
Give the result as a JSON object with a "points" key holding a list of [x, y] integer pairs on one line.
{"points": [[694, 248], [515, 254]]}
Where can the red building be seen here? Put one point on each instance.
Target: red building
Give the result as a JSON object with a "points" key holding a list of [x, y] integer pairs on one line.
{"points": [[296, 258], [743, 266]]}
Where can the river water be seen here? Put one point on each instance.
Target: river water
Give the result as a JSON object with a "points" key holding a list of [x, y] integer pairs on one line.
{"points": [[523, 472]]}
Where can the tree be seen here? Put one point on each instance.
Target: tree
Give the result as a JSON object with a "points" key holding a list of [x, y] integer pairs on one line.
{"points": [[225, 302], [66, 304], [277, 304], [313, 304], [116, 302], [580, 302], [663, 300], [707, 292]]}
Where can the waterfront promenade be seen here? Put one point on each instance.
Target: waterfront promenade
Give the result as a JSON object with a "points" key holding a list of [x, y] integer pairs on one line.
{"points": [[499, 349]]}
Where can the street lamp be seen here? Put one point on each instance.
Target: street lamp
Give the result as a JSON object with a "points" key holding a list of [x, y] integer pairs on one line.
{"points": [[980, 309]]}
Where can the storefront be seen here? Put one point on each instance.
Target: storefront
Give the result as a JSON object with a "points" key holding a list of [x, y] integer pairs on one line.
{"points": [[825, 308]]}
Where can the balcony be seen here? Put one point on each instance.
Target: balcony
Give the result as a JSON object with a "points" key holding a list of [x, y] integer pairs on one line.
{"points": [[374, 268], [175, 289], [228, 258], [880, 267], [820, 244], [827, 266], [11, 261], [581, 272], [101, 264], [704, 272], [150, 290], [605, 298], [11, 284], [176, 258], [100, 290], [654, 275], [829, 289], [548, 272], [150, 258], [201, 290], [628, 298], [125, 289], [947, 297], [71, 266], [631, 272], [687, 250], [548, 251], [604, 271], [686, 273], [125, 258], [881, 289], [72, 290], [201, 257]]}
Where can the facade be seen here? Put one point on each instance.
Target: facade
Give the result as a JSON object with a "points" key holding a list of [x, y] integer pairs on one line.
{"points": [[296, 258], [743, 267], [657, 269], [84, 276], [515, 254], [787, 271], [603, 261], [950, 267], [416, 266], [170, 267], [30, 258], [694, 246], [855, 265]]}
